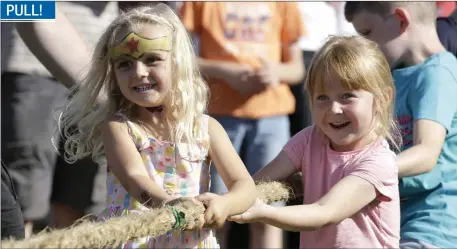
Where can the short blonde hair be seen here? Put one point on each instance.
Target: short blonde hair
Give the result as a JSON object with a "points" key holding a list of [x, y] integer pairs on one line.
{"points": [[95, 99], [360, 65], [421, 12]]}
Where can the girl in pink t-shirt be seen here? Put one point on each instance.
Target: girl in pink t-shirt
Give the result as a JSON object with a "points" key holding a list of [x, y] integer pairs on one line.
{"points": [[350, 180]]}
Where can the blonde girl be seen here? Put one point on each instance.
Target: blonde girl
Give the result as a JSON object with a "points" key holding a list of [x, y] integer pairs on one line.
{"points": [[349, 172], [141, 109]]}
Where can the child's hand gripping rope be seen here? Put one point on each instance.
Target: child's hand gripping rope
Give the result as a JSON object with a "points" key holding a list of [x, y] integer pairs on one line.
{"points": [[253, 214], [216, 209], [183, 214]]}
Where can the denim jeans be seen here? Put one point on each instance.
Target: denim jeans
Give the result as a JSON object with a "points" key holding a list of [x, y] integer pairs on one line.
{"points": [[257, 142]]}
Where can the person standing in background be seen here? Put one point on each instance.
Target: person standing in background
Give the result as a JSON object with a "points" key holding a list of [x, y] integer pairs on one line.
{"points": [[447, 31], [321, 19], [30, 95], [12, 224]]}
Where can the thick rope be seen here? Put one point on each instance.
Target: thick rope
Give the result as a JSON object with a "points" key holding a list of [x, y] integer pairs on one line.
{"points": [[117, 230]]}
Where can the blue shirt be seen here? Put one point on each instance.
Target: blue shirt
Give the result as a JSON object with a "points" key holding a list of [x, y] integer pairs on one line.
{"points": [[429, 91]]}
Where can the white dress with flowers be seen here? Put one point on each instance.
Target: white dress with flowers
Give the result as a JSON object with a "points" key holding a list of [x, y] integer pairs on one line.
{"points": [[179, 174]]}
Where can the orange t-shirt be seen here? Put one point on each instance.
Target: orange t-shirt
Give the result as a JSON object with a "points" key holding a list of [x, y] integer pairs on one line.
{"points": [[242, 32]]}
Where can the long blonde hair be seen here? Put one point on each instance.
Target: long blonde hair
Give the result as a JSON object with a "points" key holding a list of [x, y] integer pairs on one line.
{"points": [[360, 65], [93, 101]]}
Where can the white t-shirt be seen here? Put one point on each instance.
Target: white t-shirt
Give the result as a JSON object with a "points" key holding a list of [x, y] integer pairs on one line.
{"points": [[321, 20], [90, 19]]}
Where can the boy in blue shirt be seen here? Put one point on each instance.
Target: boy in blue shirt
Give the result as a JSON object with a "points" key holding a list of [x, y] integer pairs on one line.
{"points": [[425, 77]]}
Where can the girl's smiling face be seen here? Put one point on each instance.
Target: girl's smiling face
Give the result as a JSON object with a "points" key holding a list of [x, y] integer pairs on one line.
{"points": [[344, 116], [144, 78]]}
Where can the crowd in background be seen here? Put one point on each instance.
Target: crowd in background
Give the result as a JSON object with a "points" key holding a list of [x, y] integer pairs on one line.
{"points": [[52, 192]]}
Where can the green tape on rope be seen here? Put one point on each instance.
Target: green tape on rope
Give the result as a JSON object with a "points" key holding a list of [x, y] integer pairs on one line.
{"points": [[180, 218]]}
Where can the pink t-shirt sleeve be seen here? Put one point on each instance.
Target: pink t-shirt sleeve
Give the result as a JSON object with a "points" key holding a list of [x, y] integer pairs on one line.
{"points": [[295, 148], [380, 169]]}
